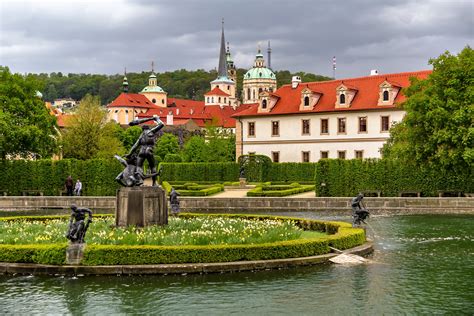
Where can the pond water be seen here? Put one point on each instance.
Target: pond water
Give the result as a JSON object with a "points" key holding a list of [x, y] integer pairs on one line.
{"points": [[421, 265]]}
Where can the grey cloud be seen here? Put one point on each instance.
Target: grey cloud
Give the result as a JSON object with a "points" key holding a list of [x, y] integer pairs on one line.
{"points": [[105, 36]]}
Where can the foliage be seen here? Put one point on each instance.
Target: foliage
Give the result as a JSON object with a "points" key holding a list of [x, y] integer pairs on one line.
{"points": [[256, 167], [90, 135], [292, 171], [26, 126], [97, 175], [279, 190], [178, 84], [195, 149], [43, 254], [349, 177], [166, 144], [220, 145], [200, 171], [437, 131], [194, 189], [129, 136]]}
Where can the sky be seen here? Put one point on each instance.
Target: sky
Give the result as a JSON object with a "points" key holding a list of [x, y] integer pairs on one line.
{"points": [[92, 36]]}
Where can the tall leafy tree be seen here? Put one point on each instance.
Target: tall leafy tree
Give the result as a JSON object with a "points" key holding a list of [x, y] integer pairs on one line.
{"points": [[89, 134], [26, 126], [437, 130], [166, 144]]}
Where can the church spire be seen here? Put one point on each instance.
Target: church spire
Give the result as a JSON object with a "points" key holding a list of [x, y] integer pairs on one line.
{"points": [[222, 71], [125, 81]]}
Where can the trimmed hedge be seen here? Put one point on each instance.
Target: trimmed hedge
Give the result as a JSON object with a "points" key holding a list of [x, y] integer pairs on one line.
{"points": [[279, 190], [348, 177], [97, 175], [36, 253], [342, 236], [199, 171], [291, 172], [194, 189]]}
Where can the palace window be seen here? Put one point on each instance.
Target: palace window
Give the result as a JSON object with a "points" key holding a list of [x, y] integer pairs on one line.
{"points": [[163, 101], [225, 100], [275, 128], [384, 123], [264, 103], [305, 156], [363, 124], [341, 154], [219, 100], [251, 129], [253, 92], [306, 101], [248, 93], [359, 154], [260, 90], [342, 98], [153, 100], [324, 126], [385, 95], [276, 156], [228, 87], [341, 125], [305, 127], [324, 154]]}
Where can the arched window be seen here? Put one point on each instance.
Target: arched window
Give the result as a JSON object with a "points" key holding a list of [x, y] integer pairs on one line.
{"points": [[212, 100], [153, 100], [306, 101], [385, 95], [217, 86], [271, 89], [219, 100], [342, 98], [248, 93], [260, 90], [260, 74], [228, 87], [208, 99], [162, 101], [225, 100], [264, 104]]}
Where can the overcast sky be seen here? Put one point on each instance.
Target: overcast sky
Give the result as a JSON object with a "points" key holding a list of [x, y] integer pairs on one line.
{"points": [[92, 36]]}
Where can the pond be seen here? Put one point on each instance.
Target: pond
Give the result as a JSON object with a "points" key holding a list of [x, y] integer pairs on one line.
{"points": [[421, 265]]}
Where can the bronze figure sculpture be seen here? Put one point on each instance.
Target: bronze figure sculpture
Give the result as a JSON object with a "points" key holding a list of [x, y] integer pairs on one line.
{"points": [[359, 211], [78, 224]]}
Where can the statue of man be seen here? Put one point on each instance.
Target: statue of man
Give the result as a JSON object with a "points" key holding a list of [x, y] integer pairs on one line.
{"points": [[174, 202], [144, 146], [77, 225], [359, 212]]}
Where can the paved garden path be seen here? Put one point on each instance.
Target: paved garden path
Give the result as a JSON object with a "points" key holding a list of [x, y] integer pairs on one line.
{"points": [[230, 194], [309, 194]]}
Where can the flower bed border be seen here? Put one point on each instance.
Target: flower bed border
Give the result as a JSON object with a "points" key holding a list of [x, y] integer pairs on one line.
{"points": [[342, 236]]}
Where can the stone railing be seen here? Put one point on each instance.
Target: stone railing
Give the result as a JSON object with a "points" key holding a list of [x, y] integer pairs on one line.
{"points": [[336, 205]]}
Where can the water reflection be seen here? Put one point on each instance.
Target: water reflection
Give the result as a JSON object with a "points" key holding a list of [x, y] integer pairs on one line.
{"points": [[421, 265]]}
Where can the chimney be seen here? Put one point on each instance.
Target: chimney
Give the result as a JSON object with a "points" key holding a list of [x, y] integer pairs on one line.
{"points": [[295, 81], [169, 118], [374, 72]]}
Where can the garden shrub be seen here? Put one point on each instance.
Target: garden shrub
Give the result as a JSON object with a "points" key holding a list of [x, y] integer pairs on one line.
{"points": [[42, 254], [279, 190]]}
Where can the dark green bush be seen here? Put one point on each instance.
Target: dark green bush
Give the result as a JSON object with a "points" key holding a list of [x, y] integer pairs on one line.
{"points": [[200, 171], [279, 190], [97, 175], [43, 254], [348, 177]]}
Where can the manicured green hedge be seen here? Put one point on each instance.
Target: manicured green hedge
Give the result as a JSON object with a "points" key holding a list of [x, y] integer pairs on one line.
{"points": [[199, 171], [43, 254], [348, 177], [194, 189], [97, 175], [292, 171], [341, 236], [279, 190]]}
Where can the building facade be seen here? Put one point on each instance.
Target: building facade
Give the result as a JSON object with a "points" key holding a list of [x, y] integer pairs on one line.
{"points": [[257, 80], [305, 122]]}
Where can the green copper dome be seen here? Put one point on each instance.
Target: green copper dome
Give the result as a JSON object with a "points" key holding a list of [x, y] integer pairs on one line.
{"points": [[153, 89], [259, 73]]}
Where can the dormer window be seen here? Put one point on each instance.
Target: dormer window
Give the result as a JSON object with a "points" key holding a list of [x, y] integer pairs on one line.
{"points": [[385, 96], [306, 101], [342, 98], [264, 104], [388, 92]]}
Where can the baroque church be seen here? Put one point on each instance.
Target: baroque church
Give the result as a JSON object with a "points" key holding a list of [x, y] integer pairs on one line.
{"points": [[220, 102]]}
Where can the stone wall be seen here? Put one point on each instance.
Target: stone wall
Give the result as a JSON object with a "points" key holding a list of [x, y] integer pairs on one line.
{"points": [[336, 205]]}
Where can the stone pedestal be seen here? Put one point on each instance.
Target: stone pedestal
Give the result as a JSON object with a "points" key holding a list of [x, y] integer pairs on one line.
{"points": [[74, 253], [141, 206], [243, 182]]}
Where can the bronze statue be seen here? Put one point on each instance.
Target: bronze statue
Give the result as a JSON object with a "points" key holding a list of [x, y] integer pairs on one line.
{"points": [[359, 211], [174, 202], [77, 225], [142, 150]]}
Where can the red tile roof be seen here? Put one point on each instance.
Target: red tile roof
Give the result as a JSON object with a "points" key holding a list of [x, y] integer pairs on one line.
{"points": [[366, 98], [132, 100], [217, 91]]}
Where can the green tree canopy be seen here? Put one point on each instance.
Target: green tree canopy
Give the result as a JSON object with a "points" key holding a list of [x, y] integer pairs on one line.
{"points": [[437, 130], [26, 126], [90, 135], [166, 144]]}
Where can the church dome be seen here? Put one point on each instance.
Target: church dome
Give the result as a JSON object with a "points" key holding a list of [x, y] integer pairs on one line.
{"points": [[259, 73], [153, 89]]}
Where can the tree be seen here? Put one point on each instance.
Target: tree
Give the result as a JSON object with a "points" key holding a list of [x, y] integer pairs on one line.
{"points": [[437, 130], [195, 149], [90, 135], [26, 126], [129, 136], [166, 144]]}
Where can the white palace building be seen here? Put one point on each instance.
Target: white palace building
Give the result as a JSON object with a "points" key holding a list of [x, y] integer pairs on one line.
{"points": [[305, 122]]}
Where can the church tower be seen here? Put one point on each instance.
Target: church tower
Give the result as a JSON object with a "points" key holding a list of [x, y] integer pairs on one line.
{"points": [[257, 80], [223, 88], [153, 91], [231, 71]]}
